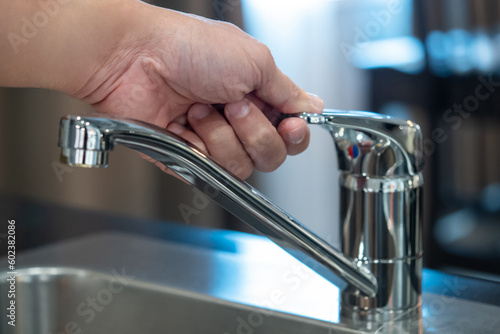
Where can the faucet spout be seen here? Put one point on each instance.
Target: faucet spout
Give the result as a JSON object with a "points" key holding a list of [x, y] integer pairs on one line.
{"points": [[86, 141]]}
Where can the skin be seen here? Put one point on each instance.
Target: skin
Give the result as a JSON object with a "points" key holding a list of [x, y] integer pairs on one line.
{"points": [[132, 59]]}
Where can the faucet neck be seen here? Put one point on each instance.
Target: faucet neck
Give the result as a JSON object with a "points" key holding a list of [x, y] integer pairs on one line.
{"points": [[82, 137]]}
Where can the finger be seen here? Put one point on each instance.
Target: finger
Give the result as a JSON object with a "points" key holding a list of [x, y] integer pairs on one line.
{"points": [[158, 164], [258, 136], [220, 139], [187, 135], [296, 135], [294, 131], [280, 92], [182, 120], [271, 113]]}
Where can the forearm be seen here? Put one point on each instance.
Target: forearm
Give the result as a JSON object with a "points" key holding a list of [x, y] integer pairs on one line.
{"points": [[59, 44]]}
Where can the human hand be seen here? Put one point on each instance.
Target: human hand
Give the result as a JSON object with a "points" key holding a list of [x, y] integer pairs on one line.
{"points": [[168, 68]]}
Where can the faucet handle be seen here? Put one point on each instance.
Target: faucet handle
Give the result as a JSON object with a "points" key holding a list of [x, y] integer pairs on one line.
{"points": [[370, 144]]}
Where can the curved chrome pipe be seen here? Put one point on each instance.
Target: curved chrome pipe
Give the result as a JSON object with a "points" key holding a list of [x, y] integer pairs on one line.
{"points": [[85, 141]]}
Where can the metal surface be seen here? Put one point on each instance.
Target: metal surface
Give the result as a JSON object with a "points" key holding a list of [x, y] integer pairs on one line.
{"points": [[82, 137], [381, 160], [145, 285], [133, 307], [380, 224], [387, 147]]}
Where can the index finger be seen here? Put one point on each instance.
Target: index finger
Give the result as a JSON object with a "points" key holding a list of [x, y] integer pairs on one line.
{"points": [[281, 92]]}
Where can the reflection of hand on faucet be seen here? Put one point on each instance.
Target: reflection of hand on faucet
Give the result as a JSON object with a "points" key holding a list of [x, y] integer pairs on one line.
{"points": [[132, 59]]}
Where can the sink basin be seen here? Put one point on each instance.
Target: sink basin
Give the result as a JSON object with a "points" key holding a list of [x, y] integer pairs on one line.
{"points": [[62, 300], [118, 283]]}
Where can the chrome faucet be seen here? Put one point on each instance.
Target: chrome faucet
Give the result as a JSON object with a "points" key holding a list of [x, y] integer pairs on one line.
{"points": [[379, 266]]}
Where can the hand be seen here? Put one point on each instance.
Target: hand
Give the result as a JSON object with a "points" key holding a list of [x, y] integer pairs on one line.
{"points": [[168, 68]]}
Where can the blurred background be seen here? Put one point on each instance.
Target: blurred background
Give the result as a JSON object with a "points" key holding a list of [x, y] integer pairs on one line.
{"points": [[433, 61]]}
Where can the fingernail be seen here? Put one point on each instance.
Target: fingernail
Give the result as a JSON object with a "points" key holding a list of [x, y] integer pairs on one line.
{"points": [[296, 136], [316, 102], [199, 111], [175, 128], [238, 110]]}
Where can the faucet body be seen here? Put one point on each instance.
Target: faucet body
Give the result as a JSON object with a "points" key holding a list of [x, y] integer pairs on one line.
{"points": [[379, 266], [382, 230], [381, 189]]}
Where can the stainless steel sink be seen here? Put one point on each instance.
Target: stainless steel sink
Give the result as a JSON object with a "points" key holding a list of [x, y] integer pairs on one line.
{"points": [[119, 283], [56, 300]]}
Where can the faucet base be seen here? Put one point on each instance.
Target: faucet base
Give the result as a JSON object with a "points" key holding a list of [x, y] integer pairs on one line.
{"points": [[396, 301], [381, 228], [375, 319]]}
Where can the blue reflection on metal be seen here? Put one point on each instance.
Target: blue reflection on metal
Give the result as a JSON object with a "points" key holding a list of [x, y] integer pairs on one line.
{"points": [[244, 277]]}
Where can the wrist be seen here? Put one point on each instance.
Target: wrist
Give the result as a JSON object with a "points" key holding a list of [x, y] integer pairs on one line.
{"points": [[134, 33], [108, 33]]}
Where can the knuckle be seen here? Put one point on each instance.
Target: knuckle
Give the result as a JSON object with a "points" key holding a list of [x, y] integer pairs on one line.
{"points": [[266, 149], [297, 92], [266, 56], [263, 139], [219, 136], [265, 52], [228, 25]]}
